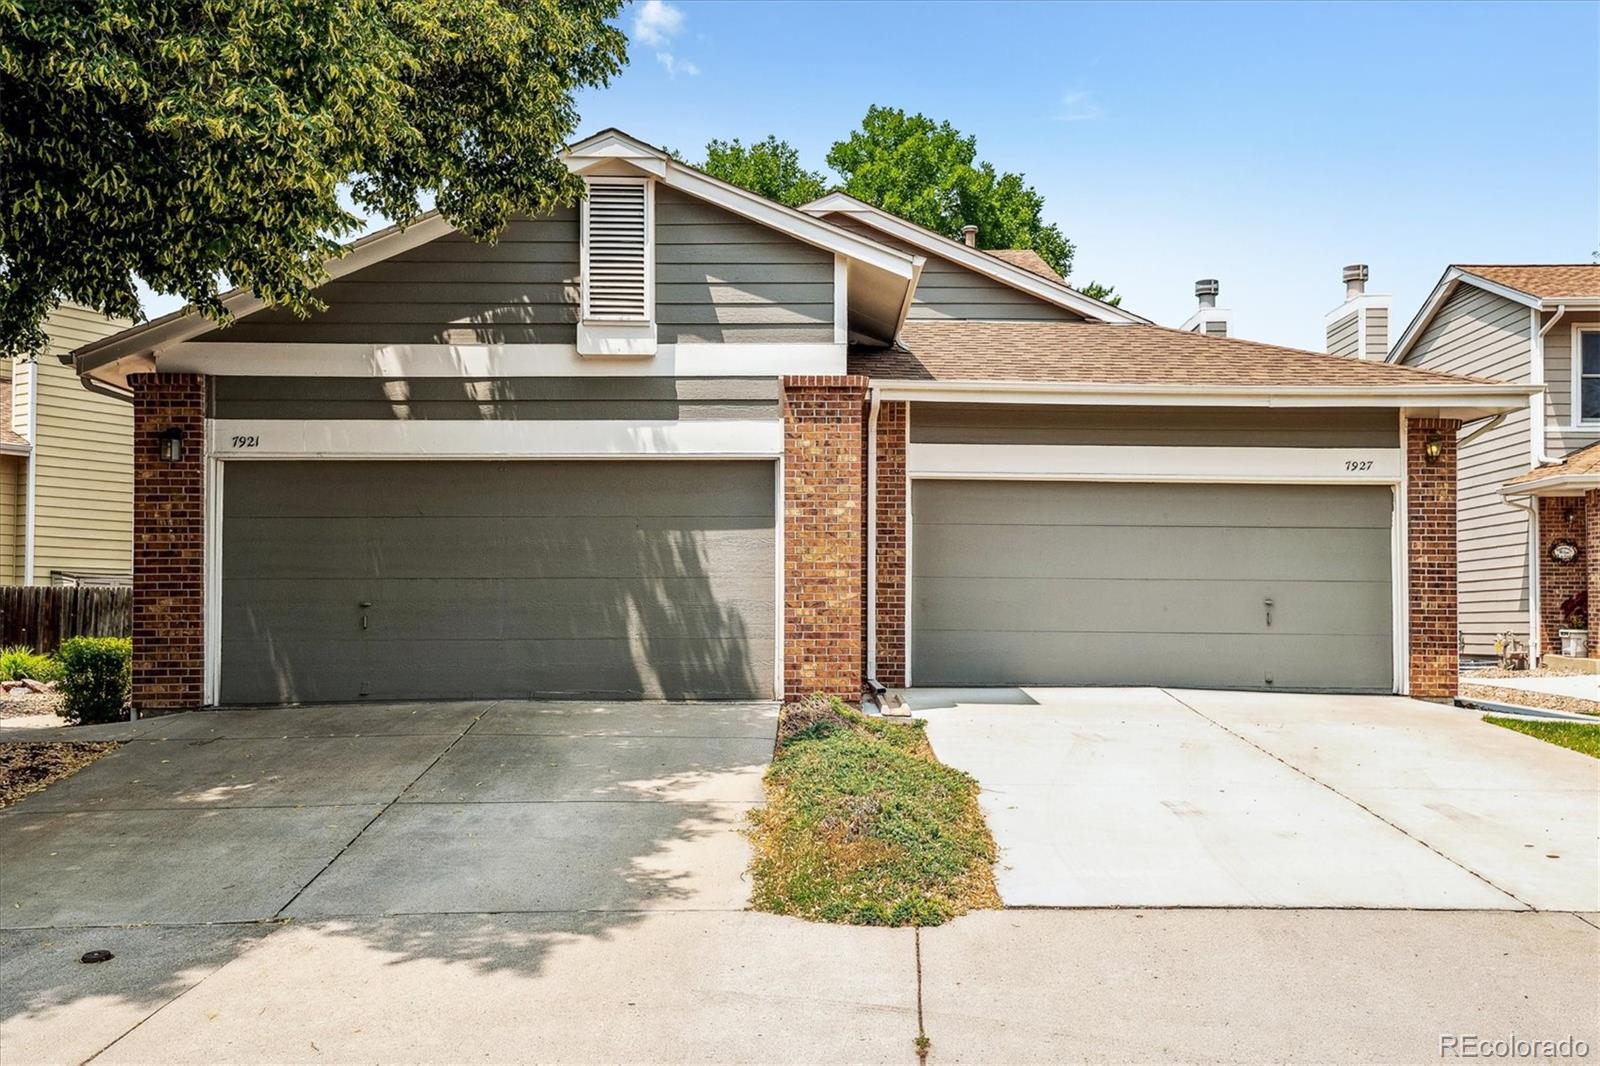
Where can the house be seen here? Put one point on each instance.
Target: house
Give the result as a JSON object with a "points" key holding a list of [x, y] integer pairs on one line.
{"points": [[1526, 479], [66, 467], [685, 442]]}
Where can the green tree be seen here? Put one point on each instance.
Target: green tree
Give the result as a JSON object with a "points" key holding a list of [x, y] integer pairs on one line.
{"points": [[929, 173], [770, 167], [200, 144]]}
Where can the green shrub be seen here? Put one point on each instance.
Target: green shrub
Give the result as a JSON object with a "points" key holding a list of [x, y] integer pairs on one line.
{"points": [[20, 662], [99, 674]]}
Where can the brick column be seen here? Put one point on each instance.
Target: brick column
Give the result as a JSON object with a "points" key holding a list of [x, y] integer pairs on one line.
{"points": [[1560, 518], [824, 488], [893, 443], [1591, 563], [1431, 557], [168, 544]]}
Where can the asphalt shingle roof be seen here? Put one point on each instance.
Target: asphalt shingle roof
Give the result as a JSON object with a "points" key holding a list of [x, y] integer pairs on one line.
{"points": [[1546, 281], [1583, 461], [1104, 354], [8, 436], [1027, 259]]}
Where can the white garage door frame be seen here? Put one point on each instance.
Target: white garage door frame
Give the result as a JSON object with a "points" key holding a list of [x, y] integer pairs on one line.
{"points": [[598, 440], [1133, 464]]}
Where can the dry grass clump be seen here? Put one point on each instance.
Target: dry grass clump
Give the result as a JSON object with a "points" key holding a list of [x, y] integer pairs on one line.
{"points": [[29, 766]]}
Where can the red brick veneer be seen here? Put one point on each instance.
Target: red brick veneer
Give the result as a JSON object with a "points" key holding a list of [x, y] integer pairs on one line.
{"points": [[168, 544], [1591, 551], [824, 489], [1431, 550], [893, 443], [1560, 518]]}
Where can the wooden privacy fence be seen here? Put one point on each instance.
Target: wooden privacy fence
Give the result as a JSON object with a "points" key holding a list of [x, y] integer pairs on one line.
{"points": [[42, 616]]}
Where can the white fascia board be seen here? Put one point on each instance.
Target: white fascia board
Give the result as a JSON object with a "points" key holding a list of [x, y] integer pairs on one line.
{"points": [[1366, 301], [1072, 462], [318, 438], [1556, 485], [1461, 400], [973, 259], [1442, 292], [265, 359], [1193, 323], [153, 337], [15, 449]]}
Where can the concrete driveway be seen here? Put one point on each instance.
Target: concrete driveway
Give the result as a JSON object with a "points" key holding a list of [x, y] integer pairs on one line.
{"points": [[1148, 797]]}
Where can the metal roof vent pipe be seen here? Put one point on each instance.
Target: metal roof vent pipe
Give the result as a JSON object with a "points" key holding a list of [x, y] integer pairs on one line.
{"points": [[969, 236], [1207, 290], [1355, 280], [1208, 319]]}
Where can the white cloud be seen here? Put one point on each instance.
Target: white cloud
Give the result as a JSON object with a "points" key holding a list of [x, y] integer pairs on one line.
{"points": [[657, 22], [676, 66], [1078, 106]]}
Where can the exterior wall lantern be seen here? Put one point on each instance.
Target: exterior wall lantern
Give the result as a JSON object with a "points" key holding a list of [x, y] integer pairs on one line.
{"points": [[1432, 448], [172, 445]]}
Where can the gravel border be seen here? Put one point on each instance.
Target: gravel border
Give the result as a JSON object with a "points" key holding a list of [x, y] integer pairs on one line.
{"points": [[1549, 701]]}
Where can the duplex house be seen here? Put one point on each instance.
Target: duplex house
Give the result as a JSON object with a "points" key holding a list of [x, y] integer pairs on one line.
{"points": [[66, 466], [685, 442], [1529, 494]]}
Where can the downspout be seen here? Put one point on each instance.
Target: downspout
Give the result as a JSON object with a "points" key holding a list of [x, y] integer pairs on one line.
{"points": [[1536, 376], [1535, 639], [871, 576], [30, 507]]}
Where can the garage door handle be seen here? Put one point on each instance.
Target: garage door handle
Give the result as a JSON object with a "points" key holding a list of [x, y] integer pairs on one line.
{"points": [[1268, 604]]}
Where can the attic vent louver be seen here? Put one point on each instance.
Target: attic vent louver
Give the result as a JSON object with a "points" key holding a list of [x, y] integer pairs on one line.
{"points": [[616, 285]]}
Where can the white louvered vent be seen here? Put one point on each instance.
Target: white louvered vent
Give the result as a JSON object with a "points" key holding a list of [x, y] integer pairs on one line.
{"points": [[616, 287]]}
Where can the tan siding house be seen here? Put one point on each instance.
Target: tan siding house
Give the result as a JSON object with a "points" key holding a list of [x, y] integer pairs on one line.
{"points": [[81, 447], [1517, 325]]}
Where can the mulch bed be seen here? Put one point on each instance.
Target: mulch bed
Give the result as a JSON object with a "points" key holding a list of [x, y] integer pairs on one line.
{"points": [[1517, 697], [28, 766]]}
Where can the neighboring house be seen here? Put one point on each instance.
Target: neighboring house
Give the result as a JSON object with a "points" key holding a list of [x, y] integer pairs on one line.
{"points": [[1536, 326], [66, 466], [685, 442]]}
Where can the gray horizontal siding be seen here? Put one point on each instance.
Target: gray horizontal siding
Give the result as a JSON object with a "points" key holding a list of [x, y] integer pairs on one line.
{"points": [[1377, 332], [1203, 427], [720, 279], [1558, 378], [948, 290], [1484, 335], [1344, 337], [1216, 329], [524, 289], [478, 399]]}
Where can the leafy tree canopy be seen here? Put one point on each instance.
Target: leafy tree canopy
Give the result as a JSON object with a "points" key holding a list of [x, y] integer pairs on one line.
{"points": [[911, 166], [200, 144], [770, 167]]}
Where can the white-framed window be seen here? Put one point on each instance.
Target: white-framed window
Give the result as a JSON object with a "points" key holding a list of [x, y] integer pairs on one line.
{"points": [[1586, 376]]}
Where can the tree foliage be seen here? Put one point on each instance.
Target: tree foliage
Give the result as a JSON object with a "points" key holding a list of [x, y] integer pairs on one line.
{"points": [[196, 144], [770, 167]]}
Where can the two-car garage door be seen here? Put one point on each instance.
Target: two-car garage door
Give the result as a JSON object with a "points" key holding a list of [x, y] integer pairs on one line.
{"points": [[1210, 586], [348, 580]]}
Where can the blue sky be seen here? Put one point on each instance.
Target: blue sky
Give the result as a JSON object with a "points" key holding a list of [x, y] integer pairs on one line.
{"points": [[1262, 144]]}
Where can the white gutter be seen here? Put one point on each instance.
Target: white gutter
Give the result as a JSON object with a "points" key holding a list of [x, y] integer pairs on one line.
{"points": [[31, 506], [872, 533]]}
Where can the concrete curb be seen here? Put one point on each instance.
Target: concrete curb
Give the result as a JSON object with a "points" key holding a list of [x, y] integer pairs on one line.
{"points": [[1514, 711]]}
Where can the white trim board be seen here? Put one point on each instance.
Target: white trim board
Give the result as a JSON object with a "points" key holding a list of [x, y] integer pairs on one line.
{"points": [[1575, 419], [1093, 462], [311, 438], [249, 359]]}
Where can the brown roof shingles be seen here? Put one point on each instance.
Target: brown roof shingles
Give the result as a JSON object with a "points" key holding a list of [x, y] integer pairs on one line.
{"points": [[1027, 259], [10, 439], [1085, 353], [1547, 281], [1584, 461]]}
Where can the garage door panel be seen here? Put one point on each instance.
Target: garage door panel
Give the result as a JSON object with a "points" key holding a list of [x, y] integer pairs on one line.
{"points": [[1059, 583], [1222, 553], [1178, 504], [627, 578], [1122, 605], [283, 669], [980, 657]]}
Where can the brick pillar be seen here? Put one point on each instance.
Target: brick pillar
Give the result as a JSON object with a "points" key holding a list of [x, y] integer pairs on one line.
{"points": [[824, 541], [1591, 563], [893, 442], [168, 544], [1560, 518], [1431, 555]]}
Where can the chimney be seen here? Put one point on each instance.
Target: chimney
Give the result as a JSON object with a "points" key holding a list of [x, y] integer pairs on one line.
{"points": [[1209, 319], [969, 236], [1359, 327]]}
